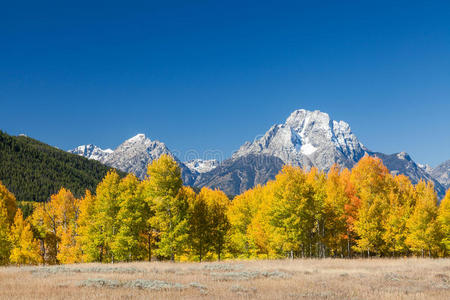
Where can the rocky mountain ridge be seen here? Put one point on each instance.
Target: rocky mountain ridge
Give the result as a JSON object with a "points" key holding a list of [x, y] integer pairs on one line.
{"points": [[306, 139]]}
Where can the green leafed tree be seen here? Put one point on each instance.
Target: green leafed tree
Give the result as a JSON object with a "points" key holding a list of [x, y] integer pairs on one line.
{"points": [[132, 219], [169, 206], [105, 224], [5, 244], [444, 221]]}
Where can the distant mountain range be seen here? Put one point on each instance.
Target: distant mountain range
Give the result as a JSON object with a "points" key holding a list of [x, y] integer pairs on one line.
{"points": [[307, 138]]}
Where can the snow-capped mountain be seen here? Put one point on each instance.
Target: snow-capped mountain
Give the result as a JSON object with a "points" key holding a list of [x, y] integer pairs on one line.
{"points": [[308, 138], [92, 152], [133, 156], [201, 166], [442, 174]]}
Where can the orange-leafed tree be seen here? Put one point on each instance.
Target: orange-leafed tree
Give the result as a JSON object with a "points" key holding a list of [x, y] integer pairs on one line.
{"points": [[370, 178]]}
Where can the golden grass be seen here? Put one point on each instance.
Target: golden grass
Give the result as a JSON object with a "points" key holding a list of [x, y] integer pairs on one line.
{"points": [[409, 278]]}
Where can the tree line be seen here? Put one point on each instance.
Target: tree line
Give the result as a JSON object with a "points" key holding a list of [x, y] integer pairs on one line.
{"points": [[361, 212]]}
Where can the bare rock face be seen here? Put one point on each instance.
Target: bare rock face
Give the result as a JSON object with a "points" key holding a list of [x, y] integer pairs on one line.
{"points": [[442, 174], [402, 163], [135, 154], [236, 175], [309, 138]]}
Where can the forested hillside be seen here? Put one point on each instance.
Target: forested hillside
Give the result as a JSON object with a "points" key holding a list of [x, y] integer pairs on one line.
{"points": [[33, 170]]}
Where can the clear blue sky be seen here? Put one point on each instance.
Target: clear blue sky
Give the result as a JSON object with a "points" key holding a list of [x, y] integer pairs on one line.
{"points": [[212, 74]]}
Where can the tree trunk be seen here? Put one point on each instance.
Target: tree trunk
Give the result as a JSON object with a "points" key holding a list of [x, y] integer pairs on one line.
{"points": [[101, 254], [149, 247], [348, 248]]}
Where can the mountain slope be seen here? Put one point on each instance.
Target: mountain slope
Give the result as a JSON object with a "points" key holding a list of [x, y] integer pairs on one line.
{"points": [[402, 163], [133, 155], [442, 174], [33, 170], [236, 175]]}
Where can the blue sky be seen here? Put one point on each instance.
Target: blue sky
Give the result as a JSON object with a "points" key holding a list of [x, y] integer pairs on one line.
{"points": [[209, 75]]}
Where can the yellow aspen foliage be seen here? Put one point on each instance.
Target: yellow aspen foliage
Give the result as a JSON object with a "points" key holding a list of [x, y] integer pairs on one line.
{"points": [[163, 178], [241, 213], [263, 240], [198, 226], [370, 178], [401, 204], [5, 244], [335, 222], [317, 179], [132, 218], [105, 224], [169, 204], [9, 202], [444, 221], [25, 249], [292, 213], [52, 219], [42, 221], [84, 228], [68, 252], [423, 227], [218, 223]]}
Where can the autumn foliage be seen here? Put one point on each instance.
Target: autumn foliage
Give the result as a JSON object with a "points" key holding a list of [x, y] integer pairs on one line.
{"points": [[361, 212]]}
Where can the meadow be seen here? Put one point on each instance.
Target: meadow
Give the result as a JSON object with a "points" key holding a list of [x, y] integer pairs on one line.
{"points": [[408, 278]]}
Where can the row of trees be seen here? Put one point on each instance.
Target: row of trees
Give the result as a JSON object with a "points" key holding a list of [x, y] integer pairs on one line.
{"points": [[364, 212]]}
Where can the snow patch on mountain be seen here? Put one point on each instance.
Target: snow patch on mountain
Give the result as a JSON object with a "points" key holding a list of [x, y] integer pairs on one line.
{"points": [[92, 152], [308, 149], [202, 166]]}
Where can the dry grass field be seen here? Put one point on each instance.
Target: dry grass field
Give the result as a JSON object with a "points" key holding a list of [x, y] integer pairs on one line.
{"points": [[273, 279]]}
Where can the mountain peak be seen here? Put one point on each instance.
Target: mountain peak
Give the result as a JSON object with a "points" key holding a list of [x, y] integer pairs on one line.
{"points": [[403, 155], [308, 138], [137, 138], [301, 119]]}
